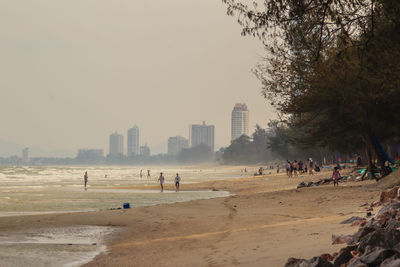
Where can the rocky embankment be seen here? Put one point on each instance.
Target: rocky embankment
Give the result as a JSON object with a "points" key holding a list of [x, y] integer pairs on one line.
{"points": [[376, 243]]}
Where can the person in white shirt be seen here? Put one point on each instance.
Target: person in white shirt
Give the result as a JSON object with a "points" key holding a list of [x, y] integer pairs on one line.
{"points": [[177, 181], [161, 179]]}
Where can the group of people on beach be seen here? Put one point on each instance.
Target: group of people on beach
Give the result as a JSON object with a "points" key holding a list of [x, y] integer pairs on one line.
{"points": [[293, 168], [161, 179]]}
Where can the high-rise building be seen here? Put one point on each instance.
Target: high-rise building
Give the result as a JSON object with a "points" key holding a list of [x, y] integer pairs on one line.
{"points": [[25, 155], [240, 121], [145, 151], [116, 144], [133, 145], [176, 144], [201, 134]]}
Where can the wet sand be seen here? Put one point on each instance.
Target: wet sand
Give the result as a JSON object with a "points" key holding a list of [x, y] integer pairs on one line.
{"points": [[264, 222]]}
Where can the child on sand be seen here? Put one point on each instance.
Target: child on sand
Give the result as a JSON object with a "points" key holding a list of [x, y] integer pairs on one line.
{"points": [[336, 176]]}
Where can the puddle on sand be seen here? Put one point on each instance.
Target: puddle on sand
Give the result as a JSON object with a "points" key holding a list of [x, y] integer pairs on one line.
{"points": [[62, 246]]}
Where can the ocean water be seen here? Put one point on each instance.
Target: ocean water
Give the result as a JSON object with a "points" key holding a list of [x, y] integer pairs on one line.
{"points": [[31, 190]]}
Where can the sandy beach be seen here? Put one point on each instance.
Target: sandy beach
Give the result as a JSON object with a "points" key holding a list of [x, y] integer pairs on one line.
{"points": [[264, 221]]}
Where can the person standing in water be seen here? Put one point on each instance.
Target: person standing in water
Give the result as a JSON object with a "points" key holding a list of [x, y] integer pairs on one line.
{"points": [[85, 180], [161, 179], [177, 181]]}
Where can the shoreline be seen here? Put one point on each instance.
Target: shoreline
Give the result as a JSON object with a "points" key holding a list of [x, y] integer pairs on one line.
{"points": [[265, 216]]}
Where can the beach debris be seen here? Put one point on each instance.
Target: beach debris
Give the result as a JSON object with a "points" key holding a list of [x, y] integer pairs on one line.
{"points": [[301, 185], [376, 243], [126, 205]]}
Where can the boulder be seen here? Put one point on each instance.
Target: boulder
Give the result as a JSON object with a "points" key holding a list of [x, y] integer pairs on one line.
{"points": [[376, 255], [359, 223], [352, 219], [389, 195], [341, 239], [391, 262], [293, 262], [315, 262], [327, 256], [363, 231], [344, 256], [380, 238], [392, 224]]}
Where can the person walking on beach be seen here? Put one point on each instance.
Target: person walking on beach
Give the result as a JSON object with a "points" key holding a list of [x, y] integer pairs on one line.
{"points": [[85, 180], [161, 179], [287, 165], [177, 181], [336, 176], [148, 173], [310, 166], [295, 166], [141, 174]]}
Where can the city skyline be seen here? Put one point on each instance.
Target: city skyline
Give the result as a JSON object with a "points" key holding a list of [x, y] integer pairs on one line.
{"points": [[134, 144], [94, 68]]}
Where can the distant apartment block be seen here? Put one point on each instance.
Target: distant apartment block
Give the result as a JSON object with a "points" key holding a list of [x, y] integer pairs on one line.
{"points": [[133, 145], [145, 151], [25, 155], [201, 134], [176, 144], [240, 121], [90, 154], [116, 144]]}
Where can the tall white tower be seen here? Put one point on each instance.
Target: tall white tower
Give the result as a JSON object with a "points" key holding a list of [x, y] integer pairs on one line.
{"points": [[240, 121], [116, 144], [133, 148]]}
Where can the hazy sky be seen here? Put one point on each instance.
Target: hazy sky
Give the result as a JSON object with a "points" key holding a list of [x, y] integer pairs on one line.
{"points": [[74, 71]]}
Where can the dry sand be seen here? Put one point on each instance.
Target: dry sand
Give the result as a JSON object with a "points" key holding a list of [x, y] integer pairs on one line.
{"points": [[266, 221]]}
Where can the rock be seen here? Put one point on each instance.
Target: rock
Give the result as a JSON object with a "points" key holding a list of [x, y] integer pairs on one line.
{"points": [[310, 184], [293, 262], [380, 238], [343, 257], [389, 195], [391, 262], [392, 209], [359, 223], [363, 231], [315, 262], [392, 224], [352, 219], [369, 214], [341, 239], [376, 255], [327, 257]]}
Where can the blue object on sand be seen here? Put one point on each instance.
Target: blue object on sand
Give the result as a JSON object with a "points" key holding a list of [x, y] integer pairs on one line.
{"points": [[126, 206]]}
